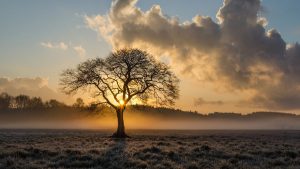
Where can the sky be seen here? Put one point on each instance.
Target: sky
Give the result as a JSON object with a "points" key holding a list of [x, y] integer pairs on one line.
{"points": [[221, 67]]}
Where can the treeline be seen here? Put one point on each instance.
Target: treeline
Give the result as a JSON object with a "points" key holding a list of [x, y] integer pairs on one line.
{"points": [[167, 113], [24, 102]]}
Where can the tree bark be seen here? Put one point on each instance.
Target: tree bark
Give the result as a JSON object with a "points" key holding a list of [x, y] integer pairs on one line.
{"points": [[120, 133]]}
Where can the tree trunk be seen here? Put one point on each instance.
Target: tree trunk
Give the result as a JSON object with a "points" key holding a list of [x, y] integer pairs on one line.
{"points": [[120, 133]]}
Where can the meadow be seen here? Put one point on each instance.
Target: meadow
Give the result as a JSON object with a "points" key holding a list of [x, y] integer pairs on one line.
{"points": [[191, 149]]}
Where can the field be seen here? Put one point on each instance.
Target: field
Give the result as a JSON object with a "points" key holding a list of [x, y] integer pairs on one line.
{"points": [[149, 149]]}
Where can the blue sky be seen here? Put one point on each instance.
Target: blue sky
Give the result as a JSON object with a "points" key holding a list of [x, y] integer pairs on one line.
{"points": [[26, 24]]}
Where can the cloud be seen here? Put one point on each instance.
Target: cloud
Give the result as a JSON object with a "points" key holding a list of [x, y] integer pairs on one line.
{"points": [[200, 101], [59, 45], [29, 86], [237, 53], [80, 51]]}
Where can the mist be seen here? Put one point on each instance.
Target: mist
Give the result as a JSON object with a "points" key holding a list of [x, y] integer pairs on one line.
{"points": [[145, 117]]}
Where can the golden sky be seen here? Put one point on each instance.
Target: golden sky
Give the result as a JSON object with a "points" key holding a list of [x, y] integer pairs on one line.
{"points": [[226, 54]]}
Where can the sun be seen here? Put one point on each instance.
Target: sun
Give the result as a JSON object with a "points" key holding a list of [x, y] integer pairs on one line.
{"points": [[121, 102]]}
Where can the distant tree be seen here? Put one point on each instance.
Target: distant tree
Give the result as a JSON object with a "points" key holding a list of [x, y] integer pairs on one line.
{"points": [[92, 107], [79, 103], [22, 101], [36, 103], [5, 101], [54, 104], [124, 75]]}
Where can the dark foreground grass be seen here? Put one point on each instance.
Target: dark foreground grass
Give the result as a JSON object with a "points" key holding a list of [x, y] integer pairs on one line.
{"points": [[149, 149]]}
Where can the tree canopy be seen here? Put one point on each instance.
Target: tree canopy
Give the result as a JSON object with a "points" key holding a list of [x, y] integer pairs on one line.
{"points": [[124, 75]]}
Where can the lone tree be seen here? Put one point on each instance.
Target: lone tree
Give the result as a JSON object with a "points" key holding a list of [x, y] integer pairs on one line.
{"points": [[124, 75]]}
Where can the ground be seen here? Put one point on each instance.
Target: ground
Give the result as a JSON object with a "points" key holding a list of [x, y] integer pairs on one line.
{"points": [[149, 149]]}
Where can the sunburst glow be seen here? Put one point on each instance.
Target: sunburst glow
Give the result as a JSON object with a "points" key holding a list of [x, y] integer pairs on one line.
{"points": [[121, 102]]}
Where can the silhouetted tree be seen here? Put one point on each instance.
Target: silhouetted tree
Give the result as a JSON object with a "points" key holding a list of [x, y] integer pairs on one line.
{"points": [[22, 101], [79, 103], [54, 104], [5, 101], [92, 107], [36, 103], [124, 75]]}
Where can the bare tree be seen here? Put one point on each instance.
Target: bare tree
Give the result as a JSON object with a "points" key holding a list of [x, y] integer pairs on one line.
{"points": [[52, 103], [125, 75], [36, 103], [22, 101], [5, 101], [79, 103]]}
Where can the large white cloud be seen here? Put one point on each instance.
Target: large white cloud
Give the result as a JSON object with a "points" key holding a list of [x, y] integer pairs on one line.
{"points": [[235, 53]]}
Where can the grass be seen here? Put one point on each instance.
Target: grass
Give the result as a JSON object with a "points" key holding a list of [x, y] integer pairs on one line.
{"points": [[149, 149]]}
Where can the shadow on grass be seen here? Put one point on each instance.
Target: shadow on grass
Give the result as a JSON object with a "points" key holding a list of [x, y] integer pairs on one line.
{"points": [[115, 156]]}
